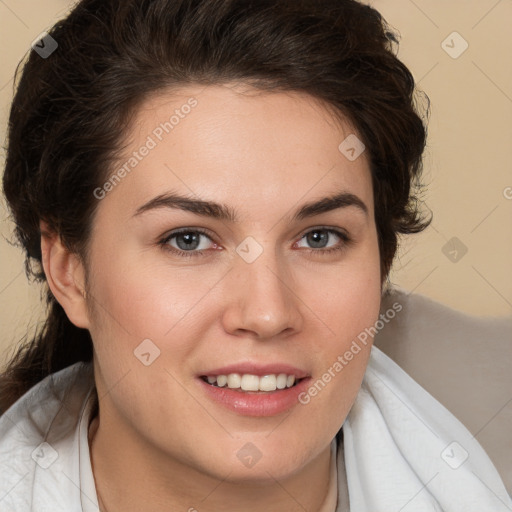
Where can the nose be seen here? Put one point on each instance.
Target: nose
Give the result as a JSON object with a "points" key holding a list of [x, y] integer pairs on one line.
{"points": [[260, 300]]}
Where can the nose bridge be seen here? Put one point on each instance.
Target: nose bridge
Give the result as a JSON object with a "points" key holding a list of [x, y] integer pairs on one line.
{"points": [[263, 296]]}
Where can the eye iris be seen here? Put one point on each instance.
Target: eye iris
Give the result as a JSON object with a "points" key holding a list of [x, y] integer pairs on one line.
{"points": [[316, 237], [191, 239]]}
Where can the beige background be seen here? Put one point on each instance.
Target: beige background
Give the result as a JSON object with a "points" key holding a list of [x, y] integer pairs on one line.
{"points": [[467, 164]]}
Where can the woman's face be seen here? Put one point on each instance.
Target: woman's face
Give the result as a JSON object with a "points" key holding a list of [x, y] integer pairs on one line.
{"points": [[260, 285]]}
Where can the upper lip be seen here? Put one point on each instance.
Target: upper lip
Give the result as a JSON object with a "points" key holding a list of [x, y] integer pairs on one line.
{"points": [[257, 369]]}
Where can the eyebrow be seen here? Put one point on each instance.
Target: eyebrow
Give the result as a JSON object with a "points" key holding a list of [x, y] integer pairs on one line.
{"points": [[226, 213]]}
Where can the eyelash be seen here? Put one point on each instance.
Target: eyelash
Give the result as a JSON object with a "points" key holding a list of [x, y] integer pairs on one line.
{"points": [[346, 240]]}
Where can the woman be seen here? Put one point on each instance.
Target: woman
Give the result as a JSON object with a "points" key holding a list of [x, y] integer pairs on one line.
{"points": [[213, 191]]}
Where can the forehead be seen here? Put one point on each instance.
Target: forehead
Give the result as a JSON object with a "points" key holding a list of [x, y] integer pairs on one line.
{"points": [[239, 146]]}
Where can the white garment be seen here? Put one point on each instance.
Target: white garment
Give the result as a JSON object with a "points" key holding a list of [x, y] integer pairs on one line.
{"points": [[404, 451], [44, 452], [393, 440]]}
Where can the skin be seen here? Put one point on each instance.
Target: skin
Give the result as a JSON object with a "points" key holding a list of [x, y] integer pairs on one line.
{"points": [[264, 155]]}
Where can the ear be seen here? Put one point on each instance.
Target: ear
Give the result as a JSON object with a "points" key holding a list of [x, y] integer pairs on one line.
{"points": [[65, 276]]}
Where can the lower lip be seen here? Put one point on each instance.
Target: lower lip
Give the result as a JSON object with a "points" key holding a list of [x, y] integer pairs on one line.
{"points": [[256, 403]]}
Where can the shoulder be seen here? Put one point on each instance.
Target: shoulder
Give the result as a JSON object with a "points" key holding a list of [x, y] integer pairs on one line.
{"points": [[37, 438], [464, 361]]}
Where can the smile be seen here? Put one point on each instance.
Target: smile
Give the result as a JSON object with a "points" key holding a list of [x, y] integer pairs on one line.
{"points": [[252, 383]]}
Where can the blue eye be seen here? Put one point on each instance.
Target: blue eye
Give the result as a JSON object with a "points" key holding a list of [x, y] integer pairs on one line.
{"points": [[188, 241], [318, 236]]}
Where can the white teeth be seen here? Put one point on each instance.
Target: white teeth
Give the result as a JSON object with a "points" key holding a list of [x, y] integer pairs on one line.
{"points": [[281, 381], [222, 380], [234, 380], [268, 383], [248, 382]]}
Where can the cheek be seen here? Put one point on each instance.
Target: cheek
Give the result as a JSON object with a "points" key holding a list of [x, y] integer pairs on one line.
{"points": [[349, 307], [348, 300], [147, 301]]}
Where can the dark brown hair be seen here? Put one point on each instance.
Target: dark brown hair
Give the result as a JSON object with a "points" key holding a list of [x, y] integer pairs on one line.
{"points": [[70, 110]]}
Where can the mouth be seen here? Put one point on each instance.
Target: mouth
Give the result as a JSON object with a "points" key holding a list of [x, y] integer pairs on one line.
{"points": [[253, 384], [255, 395]]}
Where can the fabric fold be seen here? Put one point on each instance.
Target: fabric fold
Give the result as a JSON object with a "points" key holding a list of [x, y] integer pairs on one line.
{"points": [[404, 451]]}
